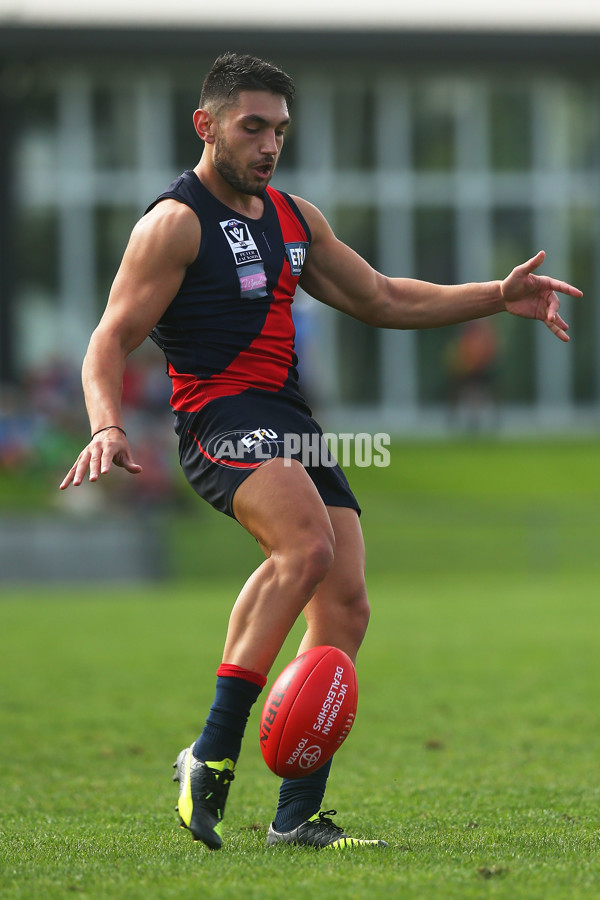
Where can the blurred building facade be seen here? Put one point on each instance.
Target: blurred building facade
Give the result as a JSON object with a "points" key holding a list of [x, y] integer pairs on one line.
{"points": [[444, 155]]}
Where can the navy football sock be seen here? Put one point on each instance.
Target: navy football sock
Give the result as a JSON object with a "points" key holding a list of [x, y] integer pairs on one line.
{"points": [[300, 798], [237, 691]]}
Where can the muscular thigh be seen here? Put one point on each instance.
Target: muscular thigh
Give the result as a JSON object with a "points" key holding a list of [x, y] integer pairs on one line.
{"points": [[280, 506]]}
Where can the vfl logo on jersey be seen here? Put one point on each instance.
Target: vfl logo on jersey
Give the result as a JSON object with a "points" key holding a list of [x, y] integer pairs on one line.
{"points": [[296, 254], [241, 241]]}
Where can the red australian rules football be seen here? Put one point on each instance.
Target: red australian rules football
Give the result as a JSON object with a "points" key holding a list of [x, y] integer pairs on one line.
{"points": [[309, 712]]}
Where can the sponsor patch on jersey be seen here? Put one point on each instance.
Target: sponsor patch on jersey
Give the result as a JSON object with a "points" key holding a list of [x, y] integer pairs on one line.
{"points": [[241, 241], [253, 281], [296, 254]]}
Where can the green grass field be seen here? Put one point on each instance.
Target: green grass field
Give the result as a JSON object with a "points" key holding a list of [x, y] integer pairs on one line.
{"points": [[476, 749]]}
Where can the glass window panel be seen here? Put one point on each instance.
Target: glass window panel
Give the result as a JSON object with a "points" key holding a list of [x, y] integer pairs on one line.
{"points": [[583, 126], [510, 128], [582, 315], [359, 382], [113, 228], [512, 244], [435, 260], [433, 126], [35, 334], [572, 126], [356, 226], [354, 127], [434, 243], [37, 251], [36, 142], [188, 146], [114, 116]]}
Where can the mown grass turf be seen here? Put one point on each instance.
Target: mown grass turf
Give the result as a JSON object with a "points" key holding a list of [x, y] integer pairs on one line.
{"points": [[475, 752]]}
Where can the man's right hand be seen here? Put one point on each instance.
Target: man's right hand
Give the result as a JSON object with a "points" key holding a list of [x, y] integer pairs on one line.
{"points": [[106, 448]]}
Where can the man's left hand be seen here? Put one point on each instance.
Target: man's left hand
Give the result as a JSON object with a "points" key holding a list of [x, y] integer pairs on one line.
{"points": [[535, 296]]}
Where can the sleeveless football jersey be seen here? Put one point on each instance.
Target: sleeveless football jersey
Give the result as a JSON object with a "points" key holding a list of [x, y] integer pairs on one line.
{"points": [[230, 327]]}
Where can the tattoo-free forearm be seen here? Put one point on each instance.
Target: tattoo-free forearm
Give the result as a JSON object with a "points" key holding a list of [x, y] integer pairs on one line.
{"points": [[408, 303], [102, 379]]}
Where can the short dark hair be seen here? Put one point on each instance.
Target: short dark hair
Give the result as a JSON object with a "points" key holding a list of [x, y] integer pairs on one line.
{"points": [[232, 73]]}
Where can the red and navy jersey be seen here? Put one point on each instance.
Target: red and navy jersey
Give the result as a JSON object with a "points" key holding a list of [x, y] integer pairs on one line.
{"points": [[230, 327]]}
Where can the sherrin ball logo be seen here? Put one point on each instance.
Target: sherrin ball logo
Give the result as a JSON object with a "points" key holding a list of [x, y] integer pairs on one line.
{"points": [[308, 712]]}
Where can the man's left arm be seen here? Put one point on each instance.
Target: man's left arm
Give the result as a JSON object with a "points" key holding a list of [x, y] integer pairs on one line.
{"points": [[334, 274]]}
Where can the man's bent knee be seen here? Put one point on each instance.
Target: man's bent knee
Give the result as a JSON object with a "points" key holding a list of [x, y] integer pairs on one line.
{"points": [[320, 555], [308, 560]]}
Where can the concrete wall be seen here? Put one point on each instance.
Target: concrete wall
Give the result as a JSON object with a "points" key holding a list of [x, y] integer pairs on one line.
{"points": [[49, 549]]}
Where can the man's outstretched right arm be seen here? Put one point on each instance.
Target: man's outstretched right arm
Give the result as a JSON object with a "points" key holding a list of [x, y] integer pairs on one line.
{"points": [[162, 246]]}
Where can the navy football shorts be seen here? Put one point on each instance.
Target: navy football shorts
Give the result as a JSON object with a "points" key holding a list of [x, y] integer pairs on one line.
{"points": [[220, 446]]}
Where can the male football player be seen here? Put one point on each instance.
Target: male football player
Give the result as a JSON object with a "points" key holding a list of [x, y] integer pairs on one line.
{"points": [[210, 272]]}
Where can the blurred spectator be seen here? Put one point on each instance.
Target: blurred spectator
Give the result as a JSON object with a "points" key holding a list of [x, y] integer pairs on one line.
{"points": [[471, 363], [17, 430], [42, 420]]}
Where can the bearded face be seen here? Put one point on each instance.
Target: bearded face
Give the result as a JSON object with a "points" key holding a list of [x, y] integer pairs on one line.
{"points": [[240, 175]]}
